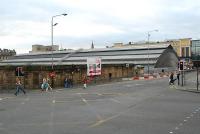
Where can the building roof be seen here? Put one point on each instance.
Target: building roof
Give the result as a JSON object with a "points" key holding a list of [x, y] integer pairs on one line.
{"points": [[136, 56]]}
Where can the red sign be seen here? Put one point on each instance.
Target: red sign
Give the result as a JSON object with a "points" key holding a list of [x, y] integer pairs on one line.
{"points": [[52, 74]]}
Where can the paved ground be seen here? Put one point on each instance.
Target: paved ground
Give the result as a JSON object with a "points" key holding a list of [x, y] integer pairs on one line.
{"points": [[131, 107]]}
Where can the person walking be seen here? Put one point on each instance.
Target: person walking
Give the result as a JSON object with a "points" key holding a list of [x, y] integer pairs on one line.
{"points": [[19, 87], [45, 85], [171, 79], [178, 76], [85, 82], [66, 83]]}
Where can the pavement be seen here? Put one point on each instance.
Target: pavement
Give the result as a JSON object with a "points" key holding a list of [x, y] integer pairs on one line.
{"points": [[189, 83]]}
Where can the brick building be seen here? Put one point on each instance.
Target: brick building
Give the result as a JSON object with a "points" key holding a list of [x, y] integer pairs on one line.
{"points": [[115, 63]]}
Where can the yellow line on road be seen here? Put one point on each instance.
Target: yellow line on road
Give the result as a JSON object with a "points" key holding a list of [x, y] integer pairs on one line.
{"points": [[97, 115], [98, 123]]}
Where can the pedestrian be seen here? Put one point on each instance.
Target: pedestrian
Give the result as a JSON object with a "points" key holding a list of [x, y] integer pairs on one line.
{"points": [[66, 82], [178, 76], [19, 87], [70, 82], [45, 85], [171, 79], [84, 82]]}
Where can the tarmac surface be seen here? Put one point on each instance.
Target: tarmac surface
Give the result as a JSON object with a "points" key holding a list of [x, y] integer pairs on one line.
{"points": [[126, 107]]}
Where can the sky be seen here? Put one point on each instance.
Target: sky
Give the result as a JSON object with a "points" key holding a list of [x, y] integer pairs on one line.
{"points": [[103, 22]]}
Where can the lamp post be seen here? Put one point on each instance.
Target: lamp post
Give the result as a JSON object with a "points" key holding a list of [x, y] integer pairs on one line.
{"points": [[52, 25], [148, 37]]}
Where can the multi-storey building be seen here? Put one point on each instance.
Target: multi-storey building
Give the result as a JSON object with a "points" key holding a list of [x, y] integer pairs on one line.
{"points": [[42, 48], [6, 53], [195, 49], [182, 47]]}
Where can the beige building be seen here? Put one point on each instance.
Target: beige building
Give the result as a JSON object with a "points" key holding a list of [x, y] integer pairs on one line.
{"points": [[42, 48], [141, 45], [6, 53], [182, 47]]}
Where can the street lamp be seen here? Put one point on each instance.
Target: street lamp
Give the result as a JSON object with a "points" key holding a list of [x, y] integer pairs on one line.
{"points": [[52, 25], [148, 36]]}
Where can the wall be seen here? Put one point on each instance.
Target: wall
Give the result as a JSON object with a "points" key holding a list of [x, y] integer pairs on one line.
{"points": [[34, 75]]}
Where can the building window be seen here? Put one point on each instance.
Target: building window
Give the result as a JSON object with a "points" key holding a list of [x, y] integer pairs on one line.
{"points": [[187, 51]]}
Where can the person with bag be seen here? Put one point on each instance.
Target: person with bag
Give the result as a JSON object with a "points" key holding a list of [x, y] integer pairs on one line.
{"points": [[45, 85]]}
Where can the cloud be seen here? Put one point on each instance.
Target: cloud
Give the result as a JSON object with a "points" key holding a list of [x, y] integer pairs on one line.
{"points": [[28, 22]]}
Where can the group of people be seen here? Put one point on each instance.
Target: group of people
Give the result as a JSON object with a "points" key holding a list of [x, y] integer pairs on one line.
{"points": [[68, 83], [172, 79]]}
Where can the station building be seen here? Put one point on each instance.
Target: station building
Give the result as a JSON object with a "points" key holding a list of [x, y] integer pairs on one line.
{"points": [[116, 63]]}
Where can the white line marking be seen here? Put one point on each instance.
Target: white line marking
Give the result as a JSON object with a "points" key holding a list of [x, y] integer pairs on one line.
{"points": [[27, 99], [171, 132], [115, 100], [185, 120], [188, 117], [84, 100], [138, 84], [1, 99], [54, 101], [176, 128]]}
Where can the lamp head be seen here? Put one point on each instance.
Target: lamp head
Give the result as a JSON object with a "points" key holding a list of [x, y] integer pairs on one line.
{"points": [[55, 24], [64, 14]]}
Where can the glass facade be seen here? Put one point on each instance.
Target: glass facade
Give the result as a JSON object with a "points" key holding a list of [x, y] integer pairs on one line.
{"points": [[195, 49]]}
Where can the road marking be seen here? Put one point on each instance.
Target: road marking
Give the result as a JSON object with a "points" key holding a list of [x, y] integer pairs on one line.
{"points": [[176, 128], [139, 84], [54, 101], [22, 103], [171, 132], [184, 120], [90, 107], [188, 117], [105, 120], [1, 99], [84, 100], [27, 99], [128, 85], [60, 89], [115, 100]]}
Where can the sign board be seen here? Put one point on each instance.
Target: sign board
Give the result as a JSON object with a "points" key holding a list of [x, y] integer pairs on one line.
{"points": [[52, 74], [93, 66]]}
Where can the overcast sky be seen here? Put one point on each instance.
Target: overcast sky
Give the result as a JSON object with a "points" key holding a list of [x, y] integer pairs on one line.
{"points": [[28, 22]]}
